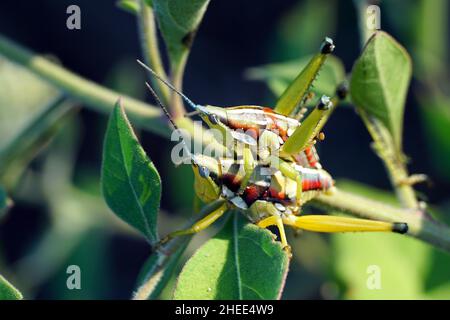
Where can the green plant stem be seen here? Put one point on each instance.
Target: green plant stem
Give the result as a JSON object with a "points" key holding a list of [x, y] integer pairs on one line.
{"points": [[361, 8], [83, 90], [419, 225], [393, 161], [178, 109], [149, 44], [100, 98], [150, 48]]}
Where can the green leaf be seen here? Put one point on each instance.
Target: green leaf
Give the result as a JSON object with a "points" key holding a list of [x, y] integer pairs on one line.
{"points": [[435, 116], [408, 268], [7, 290], [380, 80], [131, 6], [401, 263], [179, 21], [241, 262], [278, 76], [158, 269], [130, 182]]}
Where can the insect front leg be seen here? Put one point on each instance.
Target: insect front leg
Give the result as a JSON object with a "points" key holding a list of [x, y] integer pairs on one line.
{"points": [[200, 225], [331, 224]]}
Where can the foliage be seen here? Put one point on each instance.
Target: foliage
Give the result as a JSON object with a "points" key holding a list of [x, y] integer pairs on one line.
{"points": [[7, 290], [240, 260], [131, 185]]}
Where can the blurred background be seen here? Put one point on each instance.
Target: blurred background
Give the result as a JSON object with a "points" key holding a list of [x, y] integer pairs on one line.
{"points": [[59, 217]]}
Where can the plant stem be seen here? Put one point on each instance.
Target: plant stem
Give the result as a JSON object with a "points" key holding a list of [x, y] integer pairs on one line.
{"points": [[100, 98], [83, 90], [419, 225], [150, 48], [149, 44], [392, 159], [178, 109]]}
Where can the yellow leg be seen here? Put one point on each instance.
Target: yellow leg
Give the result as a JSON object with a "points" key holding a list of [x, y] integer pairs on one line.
{"points": [[199, 225], [272, 221], [324, 223]]}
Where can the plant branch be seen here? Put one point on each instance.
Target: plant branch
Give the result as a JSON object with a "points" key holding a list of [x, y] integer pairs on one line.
{"points": [[393, 160], [420, 226], [150, 48], [177, 79], [100, 98], [93, 95]]}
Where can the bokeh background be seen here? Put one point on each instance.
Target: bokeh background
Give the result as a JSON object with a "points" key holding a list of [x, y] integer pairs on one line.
{"points": [[59, 217]]}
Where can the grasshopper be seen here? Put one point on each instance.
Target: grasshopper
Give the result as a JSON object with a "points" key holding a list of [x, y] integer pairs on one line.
{"points": [[271, 187]]}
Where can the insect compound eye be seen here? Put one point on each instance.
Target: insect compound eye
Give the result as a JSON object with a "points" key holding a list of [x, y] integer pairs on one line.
{"points": [[213, 119], [324, 103], [203, 171], [327, 46]]}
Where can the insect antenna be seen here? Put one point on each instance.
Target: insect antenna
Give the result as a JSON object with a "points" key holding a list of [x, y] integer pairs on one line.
{"points": [[160, 104], [166, 112], [168, 84]]}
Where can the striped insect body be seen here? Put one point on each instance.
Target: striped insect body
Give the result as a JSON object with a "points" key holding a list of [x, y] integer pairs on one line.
{"points": [[274, 168]]}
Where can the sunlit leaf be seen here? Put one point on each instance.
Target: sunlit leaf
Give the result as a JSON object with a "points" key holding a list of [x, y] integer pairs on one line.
{"points": [[130, 182], [380, 81], [8, 291], [241, 262], [131, 6]]}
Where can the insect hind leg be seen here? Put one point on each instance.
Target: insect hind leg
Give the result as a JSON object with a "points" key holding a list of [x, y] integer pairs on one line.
{"points": [[332, 224]]}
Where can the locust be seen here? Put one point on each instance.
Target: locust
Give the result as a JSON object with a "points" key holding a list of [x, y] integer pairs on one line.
{"points": [[271, 184]]}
